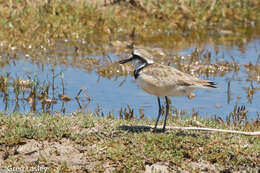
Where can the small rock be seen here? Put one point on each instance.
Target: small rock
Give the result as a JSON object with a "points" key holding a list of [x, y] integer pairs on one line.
{"points": [[29, 147], [156, 167]]}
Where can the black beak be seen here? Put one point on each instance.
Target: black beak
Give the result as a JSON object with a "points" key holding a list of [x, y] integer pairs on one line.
{"points": [[126, 60]]}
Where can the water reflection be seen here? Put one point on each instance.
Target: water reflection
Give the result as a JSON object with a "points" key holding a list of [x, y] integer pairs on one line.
{"points": [[69, 80]]}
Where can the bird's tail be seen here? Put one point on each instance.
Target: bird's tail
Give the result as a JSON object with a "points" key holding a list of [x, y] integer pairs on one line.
{"points": [[210, 84]]}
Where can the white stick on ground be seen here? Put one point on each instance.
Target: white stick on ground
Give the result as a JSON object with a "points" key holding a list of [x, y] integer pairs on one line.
{"points": [[213, 130]]}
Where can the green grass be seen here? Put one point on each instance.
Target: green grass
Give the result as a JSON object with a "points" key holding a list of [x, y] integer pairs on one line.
{"points": [[104, 143]]}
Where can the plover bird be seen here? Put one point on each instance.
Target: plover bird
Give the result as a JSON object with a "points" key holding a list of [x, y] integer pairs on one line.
{"points": [[163, 81]]}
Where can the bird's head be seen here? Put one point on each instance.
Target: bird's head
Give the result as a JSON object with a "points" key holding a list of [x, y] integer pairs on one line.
{"points": [[138, 58]]}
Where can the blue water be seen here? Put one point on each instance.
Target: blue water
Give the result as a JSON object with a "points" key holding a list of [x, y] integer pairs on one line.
{"points": [[110, 97]]}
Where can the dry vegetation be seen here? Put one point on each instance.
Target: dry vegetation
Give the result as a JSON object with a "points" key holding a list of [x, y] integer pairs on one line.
{"points": [[179, 23]]}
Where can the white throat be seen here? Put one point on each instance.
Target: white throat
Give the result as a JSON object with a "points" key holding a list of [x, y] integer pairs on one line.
{"points": [[138, 64]]}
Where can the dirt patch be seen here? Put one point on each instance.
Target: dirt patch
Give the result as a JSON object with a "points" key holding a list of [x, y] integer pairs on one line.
{"points": [[55, 154]]}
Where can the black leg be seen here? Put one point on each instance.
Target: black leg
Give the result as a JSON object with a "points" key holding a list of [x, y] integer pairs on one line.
{"points": [[167, 112], [159, 113]]}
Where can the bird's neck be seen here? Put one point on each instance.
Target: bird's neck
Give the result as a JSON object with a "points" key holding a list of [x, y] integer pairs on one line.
{"points": [[138, 69]]}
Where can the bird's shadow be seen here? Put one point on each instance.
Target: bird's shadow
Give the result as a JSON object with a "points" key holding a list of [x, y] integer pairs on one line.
{"points": [[136, 129], [140, 129]]}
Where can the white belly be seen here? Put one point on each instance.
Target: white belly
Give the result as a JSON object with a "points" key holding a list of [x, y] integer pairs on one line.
{"points": [[162, 89]]}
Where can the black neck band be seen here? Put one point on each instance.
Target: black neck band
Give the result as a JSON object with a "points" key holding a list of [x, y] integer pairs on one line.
{"points": [[137, 71]]}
